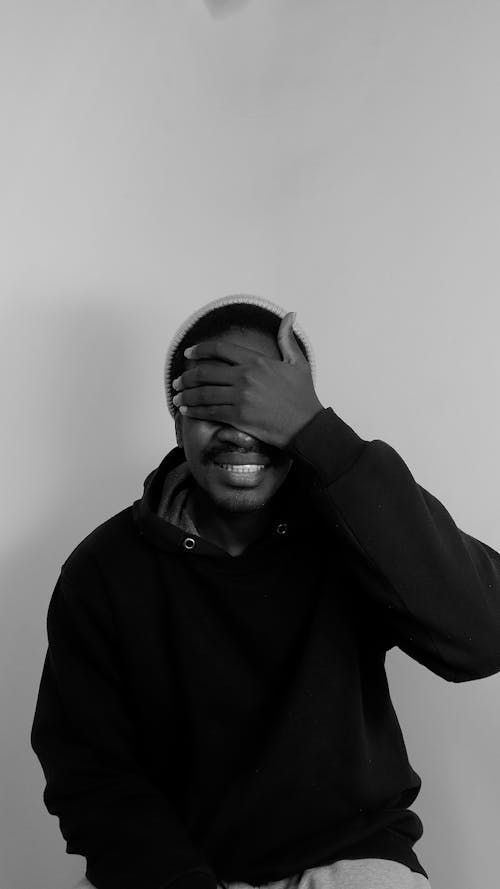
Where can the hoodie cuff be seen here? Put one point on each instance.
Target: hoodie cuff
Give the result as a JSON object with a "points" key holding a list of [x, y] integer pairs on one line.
{"points": [[327, 445]]}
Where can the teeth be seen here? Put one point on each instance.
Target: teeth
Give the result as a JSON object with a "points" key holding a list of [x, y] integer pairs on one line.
{"points": [[244, 467]]}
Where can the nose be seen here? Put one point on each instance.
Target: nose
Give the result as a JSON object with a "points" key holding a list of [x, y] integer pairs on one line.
{"points": [[230, 435]]}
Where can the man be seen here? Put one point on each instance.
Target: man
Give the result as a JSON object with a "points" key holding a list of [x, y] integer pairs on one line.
{"points": [[214, 707]]}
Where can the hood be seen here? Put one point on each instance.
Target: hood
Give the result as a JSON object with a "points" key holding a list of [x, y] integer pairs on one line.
{"points": [[162, 518]]}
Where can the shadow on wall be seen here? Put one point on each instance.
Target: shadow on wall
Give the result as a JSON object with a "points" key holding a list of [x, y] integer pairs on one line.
{"points": [[75, 460]]}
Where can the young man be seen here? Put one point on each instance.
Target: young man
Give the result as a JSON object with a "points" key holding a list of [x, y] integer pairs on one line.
{"points": [[214, 707]]}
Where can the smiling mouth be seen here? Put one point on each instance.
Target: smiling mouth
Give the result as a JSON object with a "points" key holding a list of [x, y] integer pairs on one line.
{"points": [[241, 468]]}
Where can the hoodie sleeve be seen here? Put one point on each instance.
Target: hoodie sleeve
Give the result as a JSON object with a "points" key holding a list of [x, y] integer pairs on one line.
{"points": [[108, 809], [436, 589]]}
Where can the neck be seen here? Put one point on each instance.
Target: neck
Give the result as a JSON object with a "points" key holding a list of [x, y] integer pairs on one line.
{"points": [[231, 531]]}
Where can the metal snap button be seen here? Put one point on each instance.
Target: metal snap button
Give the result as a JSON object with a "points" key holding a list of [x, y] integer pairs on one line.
{"points": [[282, 528], [188, 543]]}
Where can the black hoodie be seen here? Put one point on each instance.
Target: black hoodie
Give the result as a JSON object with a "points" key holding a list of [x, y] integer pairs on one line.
{"points": [[207, 718]]}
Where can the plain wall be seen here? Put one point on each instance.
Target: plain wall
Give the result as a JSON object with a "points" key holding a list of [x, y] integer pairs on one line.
{"points": [[339, 158]]}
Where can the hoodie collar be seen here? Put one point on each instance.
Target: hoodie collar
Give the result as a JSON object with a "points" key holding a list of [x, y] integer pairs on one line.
{"points": [[174, 496], [161, 516]]}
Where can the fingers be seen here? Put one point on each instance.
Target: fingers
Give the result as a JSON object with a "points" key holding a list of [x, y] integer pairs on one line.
{"points": [[213, 373], [216, 413], [223, 350], [204, 395]]}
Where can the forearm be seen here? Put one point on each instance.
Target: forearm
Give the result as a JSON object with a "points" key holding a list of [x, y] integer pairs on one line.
{"points": [[437, 588]]}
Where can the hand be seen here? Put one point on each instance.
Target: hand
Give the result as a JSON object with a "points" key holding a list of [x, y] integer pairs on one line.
{"points": [[264, 397]]}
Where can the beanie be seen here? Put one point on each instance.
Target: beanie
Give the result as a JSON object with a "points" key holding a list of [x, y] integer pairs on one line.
{"points": [[212, 306]]}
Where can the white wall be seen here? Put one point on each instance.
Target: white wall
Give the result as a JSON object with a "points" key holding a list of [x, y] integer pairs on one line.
{"points": [[337, 156]]}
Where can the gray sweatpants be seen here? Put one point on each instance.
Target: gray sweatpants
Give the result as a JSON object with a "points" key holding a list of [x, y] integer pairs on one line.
{"points": [[359, 873]]}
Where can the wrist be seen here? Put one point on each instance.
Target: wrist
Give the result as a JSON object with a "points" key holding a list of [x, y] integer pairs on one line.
{"points": [[300, 422]]}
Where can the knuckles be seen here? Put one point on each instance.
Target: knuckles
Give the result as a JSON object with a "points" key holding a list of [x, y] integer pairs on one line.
{"points": [[216, 348], [244, 392], [248, 375]]}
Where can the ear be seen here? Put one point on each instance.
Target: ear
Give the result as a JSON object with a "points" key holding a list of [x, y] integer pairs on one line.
{"points": [[178, 429]]}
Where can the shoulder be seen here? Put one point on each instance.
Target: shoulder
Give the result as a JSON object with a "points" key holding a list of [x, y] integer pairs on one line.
{"points": [[104, 544]]}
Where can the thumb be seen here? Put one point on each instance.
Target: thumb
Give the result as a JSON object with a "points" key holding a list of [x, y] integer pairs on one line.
{"points": [[287, 343]]}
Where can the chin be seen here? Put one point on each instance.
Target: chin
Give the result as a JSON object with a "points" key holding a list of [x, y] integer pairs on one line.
{"points": [[240, 501]]}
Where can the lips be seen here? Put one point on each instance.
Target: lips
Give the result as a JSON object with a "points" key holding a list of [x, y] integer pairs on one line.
{"points": [[236, 458]]}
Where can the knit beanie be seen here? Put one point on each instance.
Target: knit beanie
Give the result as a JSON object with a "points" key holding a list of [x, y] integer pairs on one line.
{"points": [[212, 306]]}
